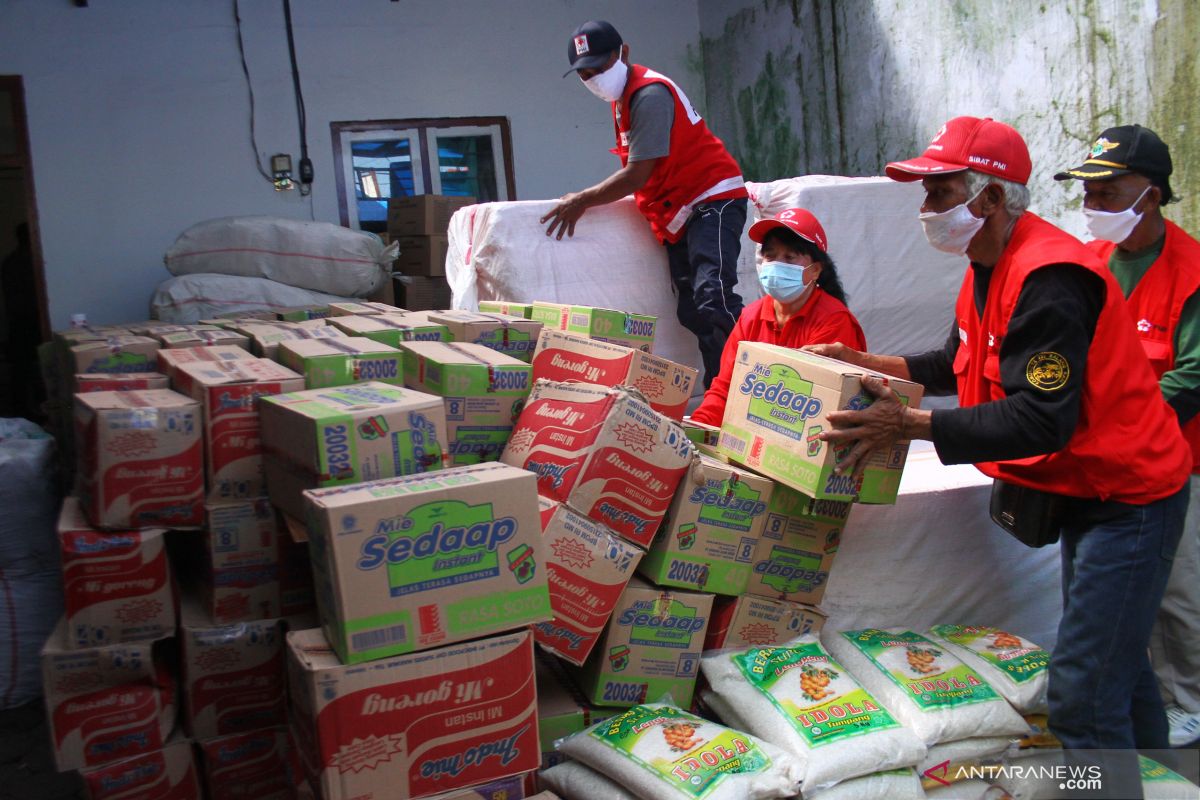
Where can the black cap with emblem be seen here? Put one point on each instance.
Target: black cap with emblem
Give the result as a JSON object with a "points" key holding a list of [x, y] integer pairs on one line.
{"points": [[591, 45], [1122, 150]]}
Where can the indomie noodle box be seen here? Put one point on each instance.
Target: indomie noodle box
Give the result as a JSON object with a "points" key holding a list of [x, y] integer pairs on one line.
{"points": [[778, 399], [414, 725], [650, 648], [412, 563], [603, 452], [169, 773]]}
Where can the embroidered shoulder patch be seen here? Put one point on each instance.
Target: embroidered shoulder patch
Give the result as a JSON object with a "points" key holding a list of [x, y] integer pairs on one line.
{"points": [[1047, 371]]}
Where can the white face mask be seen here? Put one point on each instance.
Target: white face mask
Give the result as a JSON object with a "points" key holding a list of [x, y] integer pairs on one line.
{"points": [[610, 84], [952, 230], [1114, 226]]}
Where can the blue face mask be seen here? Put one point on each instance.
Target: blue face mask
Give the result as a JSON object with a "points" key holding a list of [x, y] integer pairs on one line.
{"points": [[782, 281]]}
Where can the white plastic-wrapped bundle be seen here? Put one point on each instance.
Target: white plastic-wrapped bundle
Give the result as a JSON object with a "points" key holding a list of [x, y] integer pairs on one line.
{"points": [[190, 298], [923, 685], [658, 751], [895, 784], [571, 780], [1015, 667], [319, 256], [965, 751], [800, 699]]}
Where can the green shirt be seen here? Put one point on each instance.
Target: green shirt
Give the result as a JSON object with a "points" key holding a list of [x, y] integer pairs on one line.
{"points": [[1184, 378]]}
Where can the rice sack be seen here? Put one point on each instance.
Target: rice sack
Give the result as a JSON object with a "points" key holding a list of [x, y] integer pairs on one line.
{"points": [[1016, 668]]}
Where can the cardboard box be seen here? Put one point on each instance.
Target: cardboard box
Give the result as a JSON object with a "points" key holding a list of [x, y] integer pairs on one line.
{"points": [[119, 381], [651, 647], [572, 358], [423, 214], [512, 336], [702, 434], [104, 704], [141, 462], [338, 362], [302, 313], [587, 567], [232, 674], [248, 766], [799, 541], [505, 307], [168, 773], [153, 328], [711, 532], [778, 399], [348, 434], [603, 452], [265, 338], [413, 725], [562, 710], [392, 329], [364, 308], [411, 563], [120, 353], [750, 621], [422, 255], [483, 392], [243, 545], [423, 294], [117, 586], [170, 358], [605, 324], [204, 338], [228, 393], [510, 788]]}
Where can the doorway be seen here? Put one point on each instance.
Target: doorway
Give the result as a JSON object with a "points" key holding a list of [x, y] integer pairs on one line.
{"points": [[24, 321]]}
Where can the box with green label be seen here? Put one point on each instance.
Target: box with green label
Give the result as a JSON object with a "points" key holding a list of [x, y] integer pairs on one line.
{"points": [[411, 563], [709, 536], [778, 400], [651, 648], [338, 362], [505, 307], [392, 329], [366, 307], [513, 336], [483, 390], [346, 435], [797, 546], [606, 324], [302, 313]]}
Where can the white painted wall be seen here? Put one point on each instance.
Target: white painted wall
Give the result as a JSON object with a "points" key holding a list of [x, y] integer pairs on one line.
{"points": [[139, 117]]}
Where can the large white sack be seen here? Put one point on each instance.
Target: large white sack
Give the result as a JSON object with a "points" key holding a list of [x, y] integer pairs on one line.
{"points": [[190, 298], [319, 256], [899, 287]]}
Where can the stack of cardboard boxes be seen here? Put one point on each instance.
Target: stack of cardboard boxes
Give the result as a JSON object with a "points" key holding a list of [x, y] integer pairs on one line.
{"points": [[418, 225]]}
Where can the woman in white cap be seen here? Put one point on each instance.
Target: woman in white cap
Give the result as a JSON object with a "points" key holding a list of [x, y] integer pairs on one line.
{"points": [[804, 304]]}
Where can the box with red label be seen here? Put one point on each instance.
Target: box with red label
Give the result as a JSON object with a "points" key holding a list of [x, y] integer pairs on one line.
{"points": [[750, 621], [106, 703], [169, 773], [245, 548], [573, 358], [799, 541], [587, 567], [117, 585], [413, 725], [232, 675], [119, 381], [248, 766], [228, 393], [120, 353], [650, 649], [170, 358], [602, 451], [141, 461]]}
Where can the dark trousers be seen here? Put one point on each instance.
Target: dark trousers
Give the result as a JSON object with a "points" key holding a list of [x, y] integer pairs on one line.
{"points": [[704, 273]]}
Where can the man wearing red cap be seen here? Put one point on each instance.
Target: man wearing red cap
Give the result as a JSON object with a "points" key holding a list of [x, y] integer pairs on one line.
{"points": [[1126, 182], [804, 302], [1057, 401], [684, 181]]}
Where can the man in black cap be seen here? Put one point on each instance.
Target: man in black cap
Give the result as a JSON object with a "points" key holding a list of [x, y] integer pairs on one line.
{"points": [[684, 181], [1125, 185]]}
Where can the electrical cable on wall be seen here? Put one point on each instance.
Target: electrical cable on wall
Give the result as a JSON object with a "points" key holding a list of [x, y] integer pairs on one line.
{"points": [[306, 168], [237, 19]]}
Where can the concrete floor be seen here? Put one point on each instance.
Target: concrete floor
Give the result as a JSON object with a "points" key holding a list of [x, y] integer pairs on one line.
{"points": [[26, 763]]}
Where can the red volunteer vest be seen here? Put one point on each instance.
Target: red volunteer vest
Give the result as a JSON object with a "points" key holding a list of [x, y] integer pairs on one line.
{"points": [[698, 168], [1126, 445], [1156, 304]]}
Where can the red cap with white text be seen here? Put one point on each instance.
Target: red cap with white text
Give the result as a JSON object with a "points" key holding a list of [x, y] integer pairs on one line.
{"points": [[963, 143]]}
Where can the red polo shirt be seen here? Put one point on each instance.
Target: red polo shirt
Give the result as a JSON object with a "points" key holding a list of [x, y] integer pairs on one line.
{"points": [[821, 320]]}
